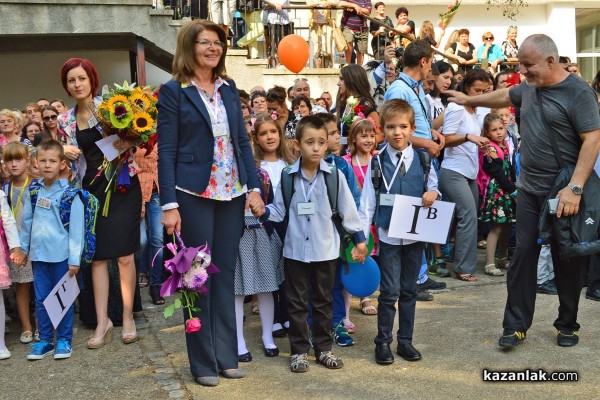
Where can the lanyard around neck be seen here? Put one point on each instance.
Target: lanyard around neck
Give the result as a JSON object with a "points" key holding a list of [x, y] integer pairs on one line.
{"points": [[311, 188], [388, 187], [360, 166], [15, 207]]}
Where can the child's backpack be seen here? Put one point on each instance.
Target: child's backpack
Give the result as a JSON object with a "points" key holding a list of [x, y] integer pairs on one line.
{"points": [[332, 183], [90, 212]]}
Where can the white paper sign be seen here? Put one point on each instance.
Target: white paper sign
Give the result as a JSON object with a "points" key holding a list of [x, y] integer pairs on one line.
{"points": [[410, 220], [61, 297], [106, 145]]}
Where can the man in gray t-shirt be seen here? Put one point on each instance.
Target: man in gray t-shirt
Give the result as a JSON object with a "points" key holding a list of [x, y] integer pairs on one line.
{"points": [[570, 108], [569, 111]]}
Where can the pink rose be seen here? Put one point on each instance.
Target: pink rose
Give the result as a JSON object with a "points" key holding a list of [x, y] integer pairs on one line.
{"points": [[192, 325]]}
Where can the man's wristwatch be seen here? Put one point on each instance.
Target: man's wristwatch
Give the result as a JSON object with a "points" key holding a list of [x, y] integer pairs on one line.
{"points": [[576, 189], [257, 190]]}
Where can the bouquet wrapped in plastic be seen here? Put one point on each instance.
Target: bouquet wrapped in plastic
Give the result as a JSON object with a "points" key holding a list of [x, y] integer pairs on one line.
{"points": [[190, 269], [446, 17], [130, 113]]}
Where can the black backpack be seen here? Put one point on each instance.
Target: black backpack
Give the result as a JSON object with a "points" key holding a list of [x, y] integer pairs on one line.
{"points": [[332, 183]]}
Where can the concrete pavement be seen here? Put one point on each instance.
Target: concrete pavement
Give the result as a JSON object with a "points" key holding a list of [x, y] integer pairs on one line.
{"points": [[457, 334]]}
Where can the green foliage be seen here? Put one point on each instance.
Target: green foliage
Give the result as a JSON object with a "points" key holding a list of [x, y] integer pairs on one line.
{"points": [[186, 300], [169, 311]]}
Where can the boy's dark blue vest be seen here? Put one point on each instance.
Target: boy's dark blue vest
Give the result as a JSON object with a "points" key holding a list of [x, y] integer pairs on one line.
{"points": [[410, 184]]}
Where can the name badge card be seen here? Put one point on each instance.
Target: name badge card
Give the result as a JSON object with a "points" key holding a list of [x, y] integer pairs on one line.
{"points": [[44, 203], [307, 208], [219, 130], [344, 140], [387, 200], [93, 121]]}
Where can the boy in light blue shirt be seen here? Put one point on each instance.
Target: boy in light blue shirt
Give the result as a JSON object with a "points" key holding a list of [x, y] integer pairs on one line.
{"points": [[312, 244], [52, 249]]}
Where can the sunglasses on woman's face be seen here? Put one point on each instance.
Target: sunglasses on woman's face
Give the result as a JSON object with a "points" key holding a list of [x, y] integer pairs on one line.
{"points": [[488, 38], [50, 118]]}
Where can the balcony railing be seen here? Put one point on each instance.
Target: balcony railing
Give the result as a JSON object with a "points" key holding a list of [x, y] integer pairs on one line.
{"points": [[183, 10]]}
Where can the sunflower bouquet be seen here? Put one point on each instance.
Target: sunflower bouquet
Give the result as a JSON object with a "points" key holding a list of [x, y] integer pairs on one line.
{"points": [[446, 17], [130, 113]]}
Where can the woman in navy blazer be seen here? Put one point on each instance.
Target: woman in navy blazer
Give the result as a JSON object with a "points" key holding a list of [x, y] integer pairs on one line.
{"points": [[207, 178]]}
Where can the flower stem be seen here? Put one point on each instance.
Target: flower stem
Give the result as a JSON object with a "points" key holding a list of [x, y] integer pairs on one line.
{"points": [[187, 303]]}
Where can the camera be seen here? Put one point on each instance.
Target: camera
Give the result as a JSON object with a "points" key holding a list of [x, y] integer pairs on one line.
{"points": [[399, 52]]}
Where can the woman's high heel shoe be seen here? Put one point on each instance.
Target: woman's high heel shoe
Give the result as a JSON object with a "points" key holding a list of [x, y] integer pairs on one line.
{"points": [[129, 338], [98, 342]]}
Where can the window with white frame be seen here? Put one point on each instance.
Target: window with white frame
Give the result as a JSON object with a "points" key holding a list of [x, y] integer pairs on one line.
{"points": [[588, 51]]}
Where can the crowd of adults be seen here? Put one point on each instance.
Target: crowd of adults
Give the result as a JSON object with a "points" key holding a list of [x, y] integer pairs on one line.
{"points": [[206, 172]]}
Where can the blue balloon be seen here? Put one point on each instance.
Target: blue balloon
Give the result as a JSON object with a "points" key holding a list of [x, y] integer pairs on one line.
{"points": [[362, 279]]}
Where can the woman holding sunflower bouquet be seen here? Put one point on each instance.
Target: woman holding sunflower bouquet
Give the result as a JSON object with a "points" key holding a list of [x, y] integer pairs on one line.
{"points": [[117, 227]]}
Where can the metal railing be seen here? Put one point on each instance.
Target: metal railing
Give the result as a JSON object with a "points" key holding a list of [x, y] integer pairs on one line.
{"points": [[183, 9]]}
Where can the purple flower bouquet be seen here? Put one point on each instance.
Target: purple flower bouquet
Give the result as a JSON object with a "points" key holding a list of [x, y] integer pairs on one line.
{"points": [[190, 269]]}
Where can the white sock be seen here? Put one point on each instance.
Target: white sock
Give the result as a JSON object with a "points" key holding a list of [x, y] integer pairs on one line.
{"points": [[2, 321], [239, 323], [267, 313], [286, 324]]}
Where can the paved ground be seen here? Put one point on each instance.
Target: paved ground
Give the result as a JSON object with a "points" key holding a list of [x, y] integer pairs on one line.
{"points": [[457, 334]]}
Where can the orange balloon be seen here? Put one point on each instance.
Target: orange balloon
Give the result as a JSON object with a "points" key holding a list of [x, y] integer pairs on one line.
{"points": [[293, 52]]}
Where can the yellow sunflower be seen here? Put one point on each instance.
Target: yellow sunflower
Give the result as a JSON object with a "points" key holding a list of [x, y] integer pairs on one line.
{"points": [[142, 122], [118, 98], [140, 100]]}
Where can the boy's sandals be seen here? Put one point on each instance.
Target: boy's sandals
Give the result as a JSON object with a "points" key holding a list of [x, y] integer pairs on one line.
{"points": [[466, 277], [367, 309], [491, 269], [299, 362], [328, 360], [26, 337], [255, 309], [142, 280]]}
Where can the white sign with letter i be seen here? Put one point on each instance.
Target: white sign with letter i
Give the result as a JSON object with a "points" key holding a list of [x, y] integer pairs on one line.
{"points": [[61, 297]]}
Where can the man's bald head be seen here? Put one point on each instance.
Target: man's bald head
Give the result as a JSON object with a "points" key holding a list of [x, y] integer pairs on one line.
{"points": [[541, 44], [301, 88]]}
